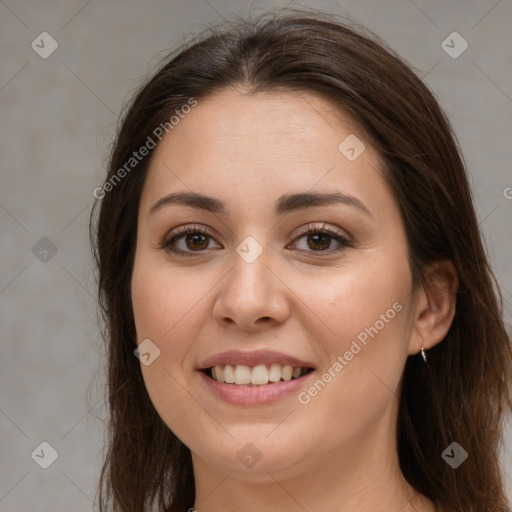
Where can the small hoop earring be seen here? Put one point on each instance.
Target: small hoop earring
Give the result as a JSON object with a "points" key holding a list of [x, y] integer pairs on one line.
{"points": [[423, 354]]}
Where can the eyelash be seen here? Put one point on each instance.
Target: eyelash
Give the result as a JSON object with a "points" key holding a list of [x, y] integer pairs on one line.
{"points": [[181, 231]]}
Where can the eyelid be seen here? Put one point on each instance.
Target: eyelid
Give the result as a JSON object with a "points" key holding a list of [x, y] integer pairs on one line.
{"points": [[185, 228], [321, 226]]}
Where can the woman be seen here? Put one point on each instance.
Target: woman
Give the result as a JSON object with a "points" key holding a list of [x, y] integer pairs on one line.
{"points": [[299, 311]]}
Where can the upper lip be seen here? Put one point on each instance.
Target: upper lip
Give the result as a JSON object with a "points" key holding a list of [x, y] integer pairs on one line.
{"points": [[253, 358]]}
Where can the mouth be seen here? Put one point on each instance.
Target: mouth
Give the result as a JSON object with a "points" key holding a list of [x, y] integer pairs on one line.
{"points": [[257, 375], [254, 378]]}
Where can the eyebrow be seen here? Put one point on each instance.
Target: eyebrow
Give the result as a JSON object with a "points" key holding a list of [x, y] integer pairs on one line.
{"points": [[285, 204]]}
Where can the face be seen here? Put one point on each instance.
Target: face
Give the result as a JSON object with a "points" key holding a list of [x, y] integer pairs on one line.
{"points": [[255, 280]]}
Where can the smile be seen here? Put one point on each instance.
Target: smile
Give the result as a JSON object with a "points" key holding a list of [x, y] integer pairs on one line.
{"points": [[258, 375]]}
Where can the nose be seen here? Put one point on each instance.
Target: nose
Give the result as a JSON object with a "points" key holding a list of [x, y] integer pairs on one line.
{"points": [[251, 295]]}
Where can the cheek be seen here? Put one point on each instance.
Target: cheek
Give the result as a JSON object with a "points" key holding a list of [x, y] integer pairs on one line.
{"points": [[165, 305], [162, 299], [365, 316], [351, 299]]}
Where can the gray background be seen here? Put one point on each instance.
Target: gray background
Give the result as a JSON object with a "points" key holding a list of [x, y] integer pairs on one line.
{"points": [[58, 117]]}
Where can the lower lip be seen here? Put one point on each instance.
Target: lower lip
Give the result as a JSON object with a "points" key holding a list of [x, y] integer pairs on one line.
{"points": [[254, 395]]}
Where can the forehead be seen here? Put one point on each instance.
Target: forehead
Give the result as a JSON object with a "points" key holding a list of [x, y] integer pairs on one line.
{"points": [[236, 143], [265, 123]]}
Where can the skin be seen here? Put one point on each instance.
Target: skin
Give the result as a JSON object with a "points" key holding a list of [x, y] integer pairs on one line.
{"points": [[338, 452]]}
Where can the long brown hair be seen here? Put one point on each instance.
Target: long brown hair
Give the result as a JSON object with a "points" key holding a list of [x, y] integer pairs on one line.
{"points": [[462, 394]]}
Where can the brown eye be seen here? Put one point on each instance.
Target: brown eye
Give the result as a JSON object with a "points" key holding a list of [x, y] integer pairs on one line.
{"points": [[187, 240], [318, 239], [196, 241]]}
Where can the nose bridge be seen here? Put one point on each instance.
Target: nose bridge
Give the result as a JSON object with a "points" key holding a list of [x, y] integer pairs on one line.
{"points": [[250, 290], [249, 279]]}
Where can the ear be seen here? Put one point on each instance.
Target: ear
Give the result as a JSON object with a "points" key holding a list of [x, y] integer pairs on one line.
{"points": [[434, 306]]}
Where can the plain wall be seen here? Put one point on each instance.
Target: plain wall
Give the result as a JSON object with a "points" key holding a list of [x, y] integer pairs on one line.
{"points": [[58, 116]]}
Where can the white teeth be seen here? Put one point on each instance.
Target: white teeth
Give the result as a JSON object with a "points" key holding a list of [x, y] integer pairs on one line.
{"points": [[217, 373], [259, 375], [229, 374], [242, 374], [274, 375], [287, 373]]}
